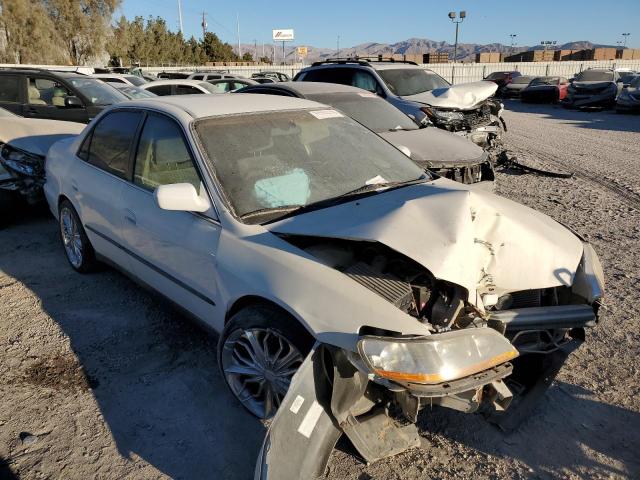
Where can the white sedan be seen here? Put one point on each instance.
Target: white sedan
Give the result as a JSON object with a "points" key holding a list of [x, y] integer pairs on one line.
{"points": [[179, 87], [280, 222]]}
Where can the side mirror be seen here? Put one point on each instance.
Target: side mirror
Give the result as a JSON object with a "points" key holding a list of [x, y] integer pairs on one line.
{"points": [[181, 197], [73, 102]]}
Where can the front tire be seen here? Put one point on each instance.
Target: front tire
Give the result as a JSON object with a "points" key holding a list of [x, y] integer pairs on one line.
{"points": [[77, 246], [259, 351]]}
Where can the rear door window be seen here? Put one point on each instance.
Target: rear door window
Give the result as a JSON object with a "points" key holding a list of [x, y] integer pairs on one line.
{"points": [[9, 88], [160, 90], [340, 75], [186, 90], [111, 142]]}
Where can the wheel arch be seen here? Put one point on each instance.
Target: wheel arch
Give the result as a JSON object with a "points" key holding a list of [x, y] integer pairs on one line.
{"points": [[257, 300]]}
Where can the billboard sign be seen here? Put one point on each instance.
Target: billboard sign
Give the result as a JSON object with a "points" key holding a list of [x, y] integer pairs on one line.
{"points": [[283, 35], [302, 51]]}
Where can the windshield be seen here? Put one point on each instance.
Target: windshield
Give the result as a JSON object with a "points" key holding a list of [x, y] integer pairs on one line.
{"points": [[98, 92], [595, 76], [635, 83], [297, 158], [626, 77], [137, 81], [208, 87], [135, 92], [545, 81], [521, 80], [368, 109], [411, 81], [497, 76]]}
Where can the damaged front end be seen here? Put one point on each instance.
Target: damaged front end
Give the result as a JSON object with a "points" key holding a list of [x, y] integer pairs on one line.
{"points": [[467, 109], [373, 403], [25, 170], [483, 125], [496, 357]]}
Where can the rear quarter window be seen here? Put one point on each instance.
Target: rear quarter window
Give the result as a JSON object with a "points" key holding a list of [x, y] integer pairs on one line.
{"points": [[9, 88]]}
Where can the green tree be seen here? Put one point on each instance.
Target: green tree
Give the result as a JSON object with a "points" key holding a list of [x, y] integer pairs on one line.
{"points": [[215, 50], [247, 57], [28, 33], [82, 25]]}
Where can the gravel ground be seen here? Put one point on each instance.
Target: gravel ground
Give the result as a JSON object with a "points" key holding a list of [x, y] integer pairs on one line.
{"points": [[100, 379]]}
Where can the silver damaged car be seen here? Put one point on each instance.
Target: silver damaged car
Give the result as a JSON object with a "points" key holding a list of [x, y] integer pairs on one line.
{"points": [[314, 246]]}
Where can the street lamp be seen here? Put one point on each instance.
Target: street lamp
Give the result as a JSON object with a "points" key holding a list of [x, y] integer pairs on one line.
{"points": [[625, 35], [452, 16], [513, 41]]}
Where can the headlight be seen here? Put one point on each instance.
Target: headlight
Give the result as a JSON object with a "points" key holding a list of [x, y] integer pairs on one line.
{"points": [[589, 279], [442, 115], [436, 358], [21, 162]]}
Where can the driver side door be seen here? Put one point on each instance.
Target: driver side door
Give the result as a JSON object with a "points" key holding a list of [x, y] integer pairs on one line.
{"points": [[172, 251], [46, 99]]}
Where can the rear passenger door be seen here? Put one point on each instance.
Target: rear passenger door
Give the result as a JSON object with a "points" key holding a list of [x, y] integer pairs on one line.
{"points": [[172, 251], [96, 183]]}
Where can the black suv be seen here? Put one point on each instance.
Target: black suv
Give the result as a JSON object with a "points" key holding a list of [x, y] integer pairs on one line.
{"points": [[34, 93]]}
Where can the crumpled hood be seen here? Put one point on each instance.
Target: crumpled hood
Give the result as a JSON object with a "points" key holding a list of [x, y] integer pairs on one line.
{"points": [[464, 96], [475, 239], [437, 148], [36, 135]]}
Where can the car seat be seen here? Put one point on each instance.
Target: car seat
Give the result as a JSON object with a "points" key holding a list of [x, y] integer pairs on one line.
{"points": [[58, 97], [34, 97]]}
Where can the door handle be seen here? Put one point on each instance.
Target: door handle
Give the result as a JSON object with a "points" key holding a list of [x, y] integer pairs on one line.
{"points": [[129, 216]]}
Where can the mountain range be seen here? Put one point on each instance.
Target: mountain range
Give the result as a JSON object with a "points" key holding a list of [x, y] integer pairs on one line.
{"points": [[466, 51]]}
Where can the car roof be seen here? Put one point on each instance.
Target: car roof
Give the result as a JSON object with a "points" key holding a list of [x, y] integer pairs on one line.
{"points": [[312, 88], [43, 71], [202, 106], [115, 75], [173, 81]]}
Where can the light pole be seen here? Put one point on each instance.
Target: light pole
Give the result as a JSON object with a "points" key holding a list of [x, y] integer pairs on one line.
{"points": [[338, 46], [513, 41], [625, 35], [452, 16]]}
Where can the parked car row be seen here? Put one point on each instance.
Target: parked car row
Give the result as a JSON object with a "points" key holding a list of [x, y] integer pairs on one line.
{"points": [[312, 226], [598, 87]]}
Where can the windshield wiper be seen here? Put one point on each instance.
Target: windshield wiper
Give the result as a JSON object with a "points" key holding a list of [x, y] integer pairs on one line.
{"points": [[284, 211]]}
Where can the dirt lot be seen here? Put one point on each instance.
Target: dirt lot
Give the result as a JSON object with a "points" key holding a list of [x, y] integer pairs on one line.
{"points": [[100, 379]]}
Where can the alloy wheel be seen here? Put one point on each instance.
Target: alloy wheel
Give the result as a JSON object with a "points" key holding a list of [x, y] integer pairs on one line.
{"points": [[258, 365], [71, 237]]}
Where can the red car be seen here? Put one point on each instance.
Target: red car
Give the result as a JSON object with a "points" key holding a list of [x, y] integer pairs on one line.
{"points": [[545, 90]]}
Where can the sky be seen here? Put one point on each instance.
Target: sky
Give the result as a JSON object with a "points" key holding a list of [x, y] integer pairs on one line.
{"points": [[319, 23]]}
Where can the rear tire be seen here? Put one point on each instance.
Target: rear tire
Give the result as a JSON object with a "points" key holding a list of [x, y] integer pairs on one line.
{"points": [[259, 351], [77, 246]]}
